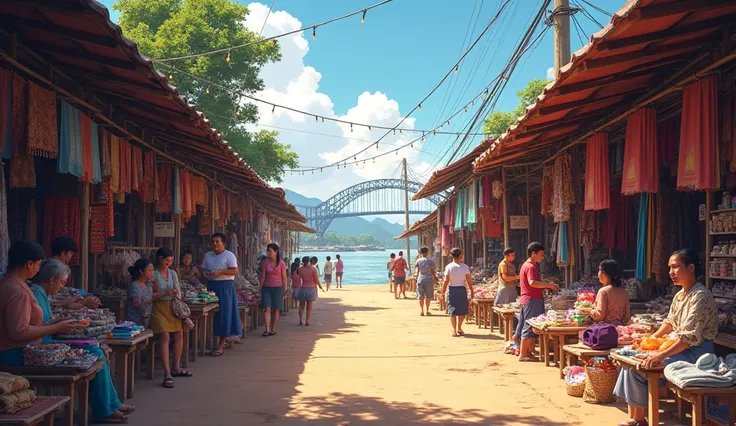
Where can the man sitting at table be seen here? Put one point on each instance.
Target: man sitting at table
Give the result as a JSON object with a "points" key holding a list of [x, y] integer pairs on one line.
{"points": [[693, 316], [63, 249]]}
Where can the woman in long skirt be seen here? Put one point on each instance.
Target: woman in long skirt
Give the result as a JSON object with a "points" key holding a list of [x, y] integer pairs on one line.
{"points": [[457, 275]]}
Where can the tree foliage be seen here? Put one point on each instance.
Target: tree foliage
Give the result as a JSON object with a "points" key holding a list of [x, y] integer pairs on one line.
{"points": [[499, 121], [173, 28]]}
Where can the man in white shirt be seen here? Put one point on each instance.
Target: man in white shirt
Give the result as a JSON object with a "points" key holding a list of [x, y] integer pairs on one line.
{"points": [[328, 272]]}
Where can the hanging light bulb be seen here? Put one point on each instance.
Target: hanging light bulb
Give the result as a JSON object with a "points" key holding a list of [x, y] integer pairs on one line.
{"points": [[237, 112], [273, 110], [314, 33], [355, 157], [316, 120], [397, 152], [434, 132], [424, 138], [420, 107], [440, 128], [401, 132], [412, 145], [227, 58], [207, 90], [457, 69], [374, 160], [362, 19], [394, 132], [466, 110], [369, 129], [323, 120], [338, 166], [448, 123], [312, 171], [351, 127], [320, 169], [376, 146], [171, 76]]}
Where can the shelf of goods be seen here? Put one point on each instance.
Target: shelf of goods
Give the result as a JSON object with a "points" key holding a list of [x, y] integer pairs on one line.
{"points": [[721, 241]]}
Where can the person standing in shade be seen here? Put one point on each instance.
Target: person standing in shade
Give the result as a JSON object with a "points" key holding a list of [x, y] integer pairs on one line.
{"points": [[328, 272], [457, 276], [399, 268], [296, 285], [220, 267], [390, 267], [308, 292], [273, 288], [426, 277], [338, 271], [532, 300]]}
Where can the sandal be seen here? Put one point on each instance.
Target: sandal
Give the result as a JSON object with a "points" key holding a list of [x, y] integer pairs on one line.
{"points": [[126, 409], [422, 314], [215, 354], [265, 334], [116, 417], [461, 333], [273, 333], [181, 373], [306, 324], [529, 359], [168, 383], [228, 345], [429, 314]]}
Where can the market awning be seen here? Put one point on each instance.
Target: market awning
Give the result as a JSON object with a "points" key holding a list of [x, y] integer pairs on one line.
{"points": [[298, 227], [648, 47], [453, 174], [86, 49], [420, 226]]}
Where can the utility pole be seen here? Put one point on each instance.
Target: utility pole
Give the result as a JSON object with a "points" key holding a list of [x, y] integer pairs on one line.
{"points": [[561, 14], [406, 213]]}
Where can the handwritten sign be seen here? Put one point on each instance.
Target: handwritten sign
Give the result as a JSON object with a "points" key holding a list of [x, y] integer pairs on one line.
{"points": [[519, 222], [163, 229]]}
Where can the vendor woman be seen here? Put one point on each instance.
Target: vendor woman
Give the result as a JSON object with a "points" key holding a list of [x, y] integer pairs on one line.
{"points": [[612, 302], [220, 267], [187, 270], [27, 319], [693, 316], [507, 278]]}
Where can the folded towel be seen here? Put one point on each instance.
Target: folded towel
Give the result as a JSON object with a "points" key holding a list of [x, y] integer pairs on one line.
{"points": [[10, 383], [17, 401], [708, 371]]}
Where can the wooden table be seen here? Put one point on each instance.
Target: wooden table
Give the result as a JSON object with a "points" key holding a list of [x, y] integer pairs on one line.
{"points": [[578, 351], [557, 337], [123, 362], [651, 374], [43, 410], [244, 311], [116, 305], [253, 313], [201, 319], [696, 396], [67, 377], [505, 315], [483, 312], [411, 284]]}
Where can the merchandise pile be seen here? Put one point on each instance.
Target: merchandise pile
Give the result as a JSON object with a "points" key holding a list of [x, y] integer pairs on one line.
{"points": [[15, 394], [188, 291], [111, 292], [630, 334], [585, 302], [125, 330], [57, 355], [203, 298], [574, 375], [642, 348], [69, 293], [659, 305], [247, 288], [94, 323], [565, 318]]}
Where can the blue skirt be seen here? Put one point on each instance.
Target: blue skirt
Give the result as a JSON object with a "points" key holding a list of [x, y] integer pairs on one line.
{"points": [[226, 322], [457, 301]]}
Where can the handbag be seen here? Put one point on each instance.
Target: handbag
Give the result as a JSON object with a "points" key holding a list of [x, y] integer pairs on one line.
{"points": [[180, 308], [601, 336]]}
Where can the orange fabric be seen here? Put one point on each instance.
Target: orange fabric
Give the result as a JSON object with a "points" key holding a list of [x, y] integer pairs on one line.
{"points": [[148, 185], [698, 164], [114, 163], [164, 202], [136, 169], [641, 168], [125, 166], [597, 195]]}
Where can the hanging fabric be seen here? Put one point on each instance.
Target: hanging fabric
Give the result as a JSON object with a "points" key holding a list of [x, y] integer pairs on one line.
{"points": [[110, 210], [617, 222], [96, 167], [563, 253], [668, 135], [114, 163], [698, 166], [164, 203], [651, 202], [22, 168], [70, 141], [641, 238], [4, 234], [6, 112], [176, 191], [97, 228], [105, 154], [563, 195], [460, 211], [136, 169], [453, 212], [125, 166], [148, 184], [472, 202], [61, 217], [547, 189], [641, 169], [597, 195], [42, 125]]}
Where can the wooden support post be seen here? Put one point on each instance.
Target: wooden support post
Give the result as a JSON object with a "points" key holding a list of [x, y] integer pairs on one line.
{"points": [[708, 236], [177, 238], [562, 34], [528, 210], [84, 236], [504, 207]]}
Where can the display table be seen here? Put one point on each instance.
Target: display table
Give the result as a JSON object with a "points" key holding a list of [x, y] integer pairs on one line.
{"points": [[253, 313], [116, 305], [201, 317], [43, 410], [124, 353], [244, 311], [483, 312], [551, 341], [579, 352], [696, 396], [505, 316], [651, 374], [67, 378]]}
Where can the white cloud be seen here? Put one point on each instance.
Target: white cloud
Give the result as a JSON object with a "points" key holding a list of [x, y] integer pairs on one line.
{"points": [[291, 83], [551, 73]]}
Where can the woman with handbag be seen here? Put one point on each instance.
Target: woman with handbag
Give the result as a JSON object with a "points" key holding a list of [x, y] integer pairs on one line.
{"points": [[164, 322]]}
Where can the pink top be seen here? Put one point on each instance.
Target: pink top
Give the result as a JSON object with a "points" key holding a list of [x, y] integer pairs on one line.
{"points": [[338, 266], [273, 274], [18, 312], [296, 280], [309, 276]]}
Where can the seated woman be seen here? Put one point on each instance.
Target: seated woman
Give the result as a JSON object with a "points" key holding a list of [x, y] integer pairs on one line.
{"points": [[612, 303], [140, 293], [187, 270], [693, 316], [30, 313]]}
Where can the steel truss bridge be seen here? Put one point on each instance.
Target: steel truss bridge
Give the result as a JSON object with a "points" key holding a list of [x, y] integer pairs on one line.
{"points": [[371, 198]]}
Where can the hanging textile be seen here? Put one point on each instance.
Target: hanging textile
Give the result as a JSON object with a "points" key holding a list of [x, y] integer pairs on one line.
{"points": [[61, 217], [453, 212], [668, 135], [460, 211], [125, 166], [563, 252], [164, 203], [563, 195], [176, 191], [661, 250], [205, 223], [22, 168], [547, 189], [641, 238], [136, 169], [651, 201], [187, 202], [97, 228], [472, 202], [6, 112], [698, 166], [105, 164], [42, 131], [199, 185], [96, 167], [70, 141], [597, 195], [590, 230], [618, 222], [4, 234], [86, 129], [114, 163], [110, 210], [32, 221], [148, 184], [641, 170]]}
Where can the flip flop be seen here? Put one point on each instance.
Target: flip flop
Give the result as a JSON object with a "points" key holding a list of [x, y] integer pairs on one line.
{"points": [[273, 333], [181, 373], [422, 314], [429, 313], [216, 354], [126, 409], [461, 333], [265, 334], [306, 324], [116, 418], [168, 383]]}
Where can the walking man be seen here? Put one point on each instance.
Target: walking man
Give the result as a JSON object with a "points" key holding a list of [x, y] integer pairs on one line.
{"points": [[390, 267], [338, 271], [399, 268], [426, 277], [328, 272]]}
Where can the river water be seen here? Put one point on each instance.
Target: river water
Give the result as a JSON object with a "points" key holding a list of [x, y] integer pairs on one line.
{"points": [[360, 267]]}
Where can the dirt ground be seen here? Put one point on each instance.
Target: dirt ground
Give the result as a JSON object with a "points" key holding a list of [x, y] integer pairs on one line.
{"points": [[368, 359]]}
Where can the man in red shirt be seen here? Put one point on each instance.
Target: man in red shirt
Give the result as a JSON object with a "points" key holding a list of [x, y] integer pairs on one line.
{"points": [[532, 300], [399, 269]]}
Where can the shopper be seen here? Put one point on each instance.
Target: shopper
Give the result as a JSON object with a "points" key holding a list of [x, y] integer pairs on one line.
{"points": [[693, 316], [338, 271], [612, 303], [426, 273], [532, 300], [296, 285], [399, 268], [140, 293], [308, 292], [390, 267], [273, 288], [328, 272], [220, 266], [457, 276], [163, 321]]}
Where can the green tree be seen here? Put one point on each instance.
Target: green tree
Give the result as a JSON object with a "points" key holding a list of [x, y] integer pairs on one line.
{"points": [[528, 95], [173, 28], [499, 121]]}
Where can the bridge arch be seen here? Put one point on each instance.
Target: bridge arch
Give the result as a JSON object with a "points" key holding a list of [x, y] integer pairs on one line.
{"points": [[319, 217]]}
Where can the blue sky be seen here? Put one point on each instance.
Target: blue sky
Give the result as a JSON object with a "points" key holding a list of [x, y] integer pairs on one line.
{"points": [[377, 71]]}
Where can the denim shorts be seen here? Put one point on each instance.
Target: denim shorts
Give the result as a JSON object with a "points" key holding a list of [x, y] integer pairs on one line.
{"points": [[273, 297], [425, 289], [533, 308]]}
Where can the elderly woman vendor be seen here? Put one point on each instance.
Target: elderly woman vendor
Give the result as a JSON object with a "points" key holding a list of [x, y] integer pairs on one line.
{"points": [[693, 316], [26, 315]]}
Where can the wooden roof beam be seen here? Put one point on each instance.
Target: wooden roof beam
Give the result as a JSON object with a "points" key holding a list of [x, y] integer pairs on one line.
{"points": [[584, 102], [19, 23], [676, 8], [85, 56], [674, 50]]}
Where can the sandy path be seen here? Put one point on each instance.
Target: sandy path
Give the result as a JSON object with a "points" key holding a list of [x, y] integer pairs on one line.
{"points": [[367, 359]]}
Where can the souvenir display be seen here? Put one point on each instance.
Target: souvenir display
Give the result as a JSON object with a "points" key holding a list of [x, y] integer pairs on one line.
{"points": [[44, 355], [111, 292], [247, 287]]}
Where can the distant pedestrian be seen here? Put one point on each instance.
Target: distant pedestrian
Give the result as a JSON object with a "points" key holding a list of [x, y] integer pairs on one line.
{"points": [[457, 275], [426, 277], [308, 292], [296, 284], [390, 267], [273, 288], [328, 272], [338, 271], [399, 268]]}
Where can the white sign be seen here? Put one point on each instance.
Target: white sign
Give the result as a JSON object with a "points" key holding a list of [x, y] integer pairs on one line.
{"points": [[163, 229], [519, 222]]}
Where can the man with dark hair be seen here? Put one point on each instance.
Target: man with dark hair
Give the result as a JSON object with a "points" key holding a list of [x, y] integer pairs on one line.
{"points": [[426, 275], [63, 249], [399, 268], [390, 266], [338, 271], [532, 300], [328, 272]]}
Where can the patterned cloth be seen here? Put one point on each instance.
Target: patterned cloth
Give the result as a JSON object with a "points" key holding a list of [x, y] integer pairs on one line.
{"points": [[563, 195], [42, 134], [22, 168], [694, 315], [97, 228]]}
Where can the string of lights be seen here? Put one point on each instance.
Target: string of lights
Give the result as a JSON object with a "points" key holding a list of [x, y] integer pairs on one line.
{"points": [[313, 27]]}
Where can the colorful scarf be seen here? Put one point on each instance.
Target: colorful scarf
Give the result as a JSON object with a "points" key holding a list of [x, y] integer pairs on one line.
{"points": [[42, 133], [70, 141], [22, 167]]}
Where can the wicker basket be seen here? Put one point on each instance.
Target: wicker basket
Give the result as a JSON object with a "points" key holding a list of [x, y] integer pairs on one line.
{"points": [[575, 390], [599, 386]]}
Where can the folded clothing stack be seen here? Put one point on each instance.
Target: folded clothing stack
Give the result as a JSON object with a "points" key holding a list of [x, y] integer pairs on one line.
{"points": [[125, 330], [709, 371], [15, 394]]}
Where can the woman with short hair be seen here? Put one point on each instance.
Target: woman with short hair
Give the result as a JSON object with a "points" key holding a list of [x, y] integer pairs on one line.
{"points": [[457, 276]]}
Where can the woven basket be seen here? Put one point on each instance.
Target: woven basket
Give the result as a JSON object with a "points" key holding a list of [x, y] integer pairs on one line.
{"points": [[575, 390], [599, 386]]}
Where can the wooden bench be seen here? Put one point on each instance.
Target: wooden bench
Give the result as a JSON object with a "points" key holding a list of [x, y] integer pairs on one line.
{"points": [[696, 396], [43, 410], [123, 361], [505, 316], [483, 310]]}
